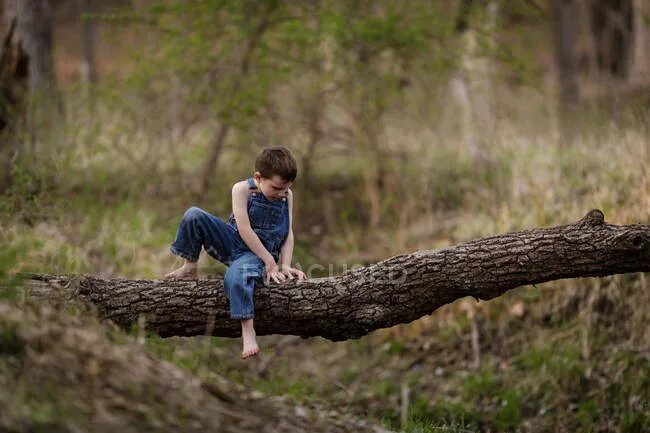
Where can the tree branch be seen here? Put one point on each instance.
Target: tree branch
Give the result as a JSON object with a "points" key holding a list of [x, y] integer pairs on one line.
{"points": [[397, 290]]}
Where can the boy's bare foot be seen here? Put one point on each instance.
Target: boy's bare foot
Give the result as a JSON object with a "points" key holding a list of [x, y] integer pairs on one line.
{"points": [[186, 272], [248, 336]]}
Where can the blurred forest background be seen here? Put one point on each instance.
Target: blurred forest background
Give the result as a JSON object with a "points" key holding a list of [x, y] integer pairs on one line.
{"points": [[416, 124]]}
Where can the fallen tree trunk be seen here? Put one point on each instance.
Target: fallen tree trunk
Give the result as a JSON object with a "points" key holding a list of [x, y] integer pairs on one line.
{"points": [[397, 290]]}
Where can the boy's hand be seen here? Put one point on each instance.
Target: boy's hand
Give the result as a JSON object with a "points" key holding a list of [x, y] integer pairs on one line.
{"points": [[292, 273], [273, 273]]}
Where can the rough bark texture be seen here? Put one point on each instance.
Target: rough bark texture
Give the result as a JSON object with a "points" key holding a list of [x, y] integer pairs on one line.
{"points": [[397, 290]]}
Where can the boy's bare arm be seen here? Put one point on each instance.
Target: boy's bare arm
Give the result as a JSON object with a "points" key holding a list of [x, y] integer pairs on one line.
{"points": [[286, 252], [240, 211]]}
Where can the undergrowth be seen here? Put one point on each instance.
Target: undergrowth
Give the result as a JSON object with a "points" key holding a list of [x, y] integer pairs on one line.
{"points": [[564, 356]]}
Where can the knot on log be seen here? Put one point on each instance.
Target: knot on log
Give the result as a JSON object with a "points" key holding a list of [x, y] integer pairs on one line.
{"points": [[594, 218], [640, 242]]}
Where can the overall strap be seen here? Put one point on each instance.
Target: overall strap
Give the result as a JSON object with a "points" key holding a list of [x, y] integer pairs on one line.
{"points": [[251, 183]]}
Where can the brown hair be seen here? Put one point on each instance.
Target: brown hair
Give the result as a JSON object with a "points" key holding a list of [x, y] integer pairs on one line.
{"points": [[277, 160]]}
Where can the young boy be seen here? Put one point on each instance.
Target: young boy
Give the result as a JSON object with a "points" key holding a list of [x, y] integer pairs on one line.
{"points": [[258, 235]]}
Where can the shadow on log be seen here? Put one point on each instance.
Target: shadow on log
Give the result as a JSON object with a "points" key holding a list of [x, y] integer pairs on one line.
{"points": [[397, 290]]}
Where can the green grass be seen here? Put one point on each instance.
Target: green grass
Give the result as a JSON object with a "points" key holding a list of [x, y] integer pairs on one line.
{"points": [[108, 202], [443, 416], [10, 342]]}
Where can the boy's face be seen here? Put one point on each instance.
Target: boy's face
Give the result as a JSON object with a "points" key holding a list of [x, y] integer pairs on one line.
{"points": [[274, 188]]}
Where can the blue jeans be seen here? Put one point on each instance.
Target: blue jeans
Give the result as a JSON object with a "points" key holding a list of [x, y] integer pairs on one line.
{"points": [[221, 241]]}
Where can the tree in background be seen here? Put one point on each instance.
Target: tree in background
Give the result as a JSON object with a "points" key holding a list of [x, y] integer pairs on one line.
{"points": [[380, 51], [13, 66], [219, 61], [613, 30], [27, 70], [88, 37], [600, 39], [34, 29], [252, 21], [471, 82], [564, 40]]}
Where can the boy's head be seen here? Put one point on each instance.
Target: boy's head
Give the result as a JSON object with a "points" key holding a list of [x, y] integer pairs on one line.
{"points": [[275, 171], [276, 160]]}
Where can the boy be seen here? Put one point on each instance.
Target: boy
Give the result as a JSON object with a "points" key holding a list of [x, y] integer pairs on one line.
{"points": [[258, 235]]}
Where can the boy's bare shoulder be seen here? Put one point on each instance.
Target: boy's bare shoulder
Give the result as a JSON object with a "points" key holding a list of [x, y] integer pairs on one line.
{"points": [[240, 187]]}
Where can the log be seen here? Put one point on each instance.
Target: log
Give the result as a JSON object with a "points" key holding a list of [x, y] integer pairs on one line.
{"points": [[397, 290]]}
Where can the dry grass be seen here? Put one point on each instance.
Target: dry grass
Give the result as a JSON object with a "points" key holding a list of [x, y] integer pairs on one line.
{"points": [[106, 200]]}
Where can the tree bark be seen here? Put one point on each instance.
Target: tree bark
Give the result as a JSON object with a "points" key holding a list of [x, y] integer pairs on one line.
{"points": [[13, 67], [13, 87], [397, 290], [34, 19], [88, 36], [613, 31], [640, 62], [29, 45]]}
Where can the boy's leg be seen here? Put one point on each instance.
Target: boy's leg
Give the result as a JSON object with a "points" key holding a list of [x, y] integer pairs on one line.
{"points": [[249, 344], [197, 229], [239, 284]]}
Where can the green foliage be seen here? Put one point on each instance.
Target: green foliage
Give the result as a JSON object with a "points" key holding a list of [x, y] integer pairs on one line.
{"points": [[193, 358], [563, 362], [24, 194], [587, 414], [483, 387], [444, 415], [348, 376], [358, 90], [509, 413], [298, 389], [636, 422], [10, 342], [10, 255], [222, 57], [396, 348], [450, 178], [385, 388], [480, 385]]}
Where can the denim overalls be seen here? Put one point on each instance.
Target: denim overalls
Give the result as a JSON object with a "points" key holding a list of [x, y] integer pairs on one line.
{"points": [[269, 220]]}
